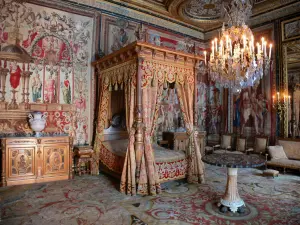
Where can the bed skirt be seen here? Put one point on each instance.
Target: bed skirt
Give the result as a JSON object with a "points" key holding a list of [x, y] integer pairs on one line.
{"points": [[171, 165]]}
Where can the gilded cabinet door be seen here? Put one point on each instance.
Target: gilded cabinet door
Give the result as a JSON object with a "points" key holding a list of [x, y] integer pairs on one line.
{"points": [[56, 159], [21, 161]]}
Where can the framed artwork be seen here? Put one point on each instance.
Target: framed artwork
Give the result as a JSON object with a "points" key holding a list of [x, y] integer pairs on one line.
{"points": [[116, 33], [290, 29]]}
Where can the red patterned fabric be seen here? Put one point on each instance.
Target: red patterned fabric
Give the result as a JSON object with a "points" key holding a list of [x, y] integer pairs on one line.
{"points": [[172, 170], [167, 170], [111, 160], [15, 78]]}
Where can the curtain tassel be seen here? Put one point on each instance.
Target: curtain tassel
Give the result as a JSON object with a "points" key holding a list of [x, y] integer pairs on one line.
{"points": [[110, 87], [121, 86], [116, 86]]}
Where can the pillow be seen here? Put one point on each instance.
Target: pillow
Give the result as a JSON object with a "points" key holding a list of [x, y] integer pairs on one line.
{"points": [[277, 152]]}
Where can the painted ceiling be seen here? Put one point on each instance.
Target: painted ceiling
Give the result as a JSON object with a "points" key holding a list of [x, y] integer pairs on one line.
{"points": [[205, 15]]}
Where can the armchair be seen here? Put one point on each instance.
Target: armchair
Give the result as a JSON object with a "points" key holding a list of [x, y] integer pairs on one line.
{"points": [[225, 144], [260, 145], [241, 144]]}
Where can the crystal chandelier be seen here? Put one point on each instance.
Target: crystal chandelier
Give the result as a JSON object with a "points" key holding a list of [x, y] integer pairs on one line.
{"points": [[234, 60]]}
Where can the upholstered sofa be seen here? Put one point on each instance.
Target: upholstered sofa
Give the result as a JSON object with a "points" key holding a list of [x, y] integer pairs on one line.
{"points": [[285, 154]]}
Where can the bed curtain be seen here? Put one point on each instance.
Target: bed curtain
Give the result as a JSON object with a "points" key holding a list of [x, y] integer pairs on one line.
{"points": [[195, 164]]}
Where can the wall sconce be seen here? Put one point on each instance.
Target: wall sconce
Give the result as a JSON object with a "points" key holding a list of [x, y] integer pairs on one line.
{"points": [[281, 104]]}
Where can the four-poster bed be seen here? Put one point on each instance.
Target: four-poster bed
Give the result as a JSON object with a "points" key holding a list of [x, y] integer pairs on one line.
{"points": [[141, 69]]}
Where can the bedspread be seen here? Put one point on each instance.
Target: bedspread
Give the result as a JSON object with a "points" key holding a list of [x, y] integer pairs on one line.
{"points": [[170, 164]]}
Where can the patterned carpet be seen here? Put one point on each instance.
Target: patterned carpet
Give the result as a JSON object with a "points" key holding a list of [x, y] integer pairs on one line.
{"points": [[95, 200]]}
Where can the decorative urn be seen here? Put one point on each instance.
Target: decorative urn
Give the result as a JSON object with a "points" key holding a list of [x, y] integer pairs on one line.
{"points": [[37, 121]]}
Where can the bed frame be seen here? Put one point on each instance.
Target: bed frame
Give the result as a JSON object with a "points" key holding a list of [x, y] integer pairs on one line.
{"points": [[138, 65]]}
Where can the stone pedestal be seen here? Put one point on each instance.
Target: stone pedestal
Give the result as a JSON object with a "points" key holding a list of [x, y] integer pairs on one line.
{"points": [[231, 198]]}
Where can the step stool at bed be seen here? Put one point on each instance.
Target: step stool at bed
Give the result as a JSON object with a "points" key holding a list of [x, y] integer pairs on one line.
{"points": [[83, 154]]}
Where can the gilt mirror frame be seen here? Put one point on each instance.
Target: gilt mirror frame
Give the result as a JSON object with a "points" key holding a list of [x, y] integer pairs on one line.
{"points": [[284, 84]]}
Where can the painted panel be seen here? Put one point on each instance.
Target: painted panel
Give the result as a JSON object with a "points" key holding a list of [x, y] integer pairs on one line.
{"points": [[290, 29]]}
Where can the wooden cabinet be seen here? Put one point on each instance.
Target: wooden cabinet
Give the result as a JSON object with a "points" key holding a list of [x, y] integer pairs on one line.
{"points": [[33, 160]]}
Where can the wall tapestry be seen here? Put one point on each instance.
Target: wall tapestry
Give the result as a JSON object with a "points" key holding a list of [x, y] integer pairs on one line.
{"points": [[60, 44], [252, 106], [170, 117]]}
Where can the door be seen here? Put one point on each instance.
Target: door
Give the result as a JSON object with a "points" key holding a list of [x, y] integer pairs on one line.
{"points": [[56, 159], [21, 162]]}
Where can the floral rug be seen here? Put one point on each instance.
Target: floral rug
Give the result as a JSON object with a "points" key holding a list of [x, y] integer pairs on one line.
{"points": [[95, 200]]}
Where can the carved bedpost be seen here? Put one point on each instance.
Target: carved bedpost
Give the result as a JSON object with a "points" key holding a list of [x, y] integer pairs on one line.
{"points": [[138, 144]]}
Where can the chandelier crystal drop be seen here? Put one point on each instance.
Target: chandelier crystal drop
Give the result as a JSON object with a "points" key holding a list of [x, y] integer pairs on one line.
{"points": [[235, 62]]}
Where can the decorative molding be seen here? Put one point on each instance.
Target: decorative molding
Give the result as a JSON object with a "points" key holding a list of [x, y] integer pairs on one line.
{"points": [[285, 82]]}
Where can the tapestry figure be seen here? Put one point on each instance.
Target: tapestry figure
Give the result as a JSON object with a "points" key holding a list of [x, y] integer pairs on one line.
{"points": [[66, 88], [236, 112], [15, 75], [80, 102], [50, 88], [245, 107], [170, 117], [36, 88]]}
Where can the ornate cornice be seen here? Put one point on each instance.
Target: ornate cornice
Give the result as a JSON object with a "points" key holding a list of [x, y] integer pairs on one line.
{"points": [[146, 50]]}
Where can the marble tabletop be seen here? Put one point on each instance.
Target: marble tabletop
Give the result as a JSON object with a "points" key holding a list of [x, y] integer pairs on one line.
{"points": [[234, 160]]}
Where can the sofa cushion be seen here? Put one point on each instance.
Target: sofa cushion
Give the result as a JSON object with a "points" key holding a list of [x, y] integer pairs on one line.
{"points": [[288, 163], [277, 152]]}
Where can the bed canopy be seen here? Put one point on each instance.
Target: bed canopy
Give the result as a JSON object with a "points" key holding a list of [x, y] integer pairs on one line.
{"points": [[141, 69]]}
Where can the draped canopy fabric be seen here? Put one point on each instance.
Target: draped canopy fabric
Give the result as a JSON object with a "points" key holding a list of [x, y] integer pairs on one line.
{"points": [[142, 76]]}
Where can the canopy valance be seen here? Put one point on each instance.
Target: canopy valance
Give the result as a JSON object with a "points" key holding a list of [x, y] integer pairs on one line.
{"points": [[156, 64]]}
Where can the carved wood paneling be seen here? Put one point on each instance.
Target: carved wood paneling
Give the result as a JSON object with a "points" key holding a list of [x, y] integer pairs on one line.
{"points": [[21, 161], [55, 158]]}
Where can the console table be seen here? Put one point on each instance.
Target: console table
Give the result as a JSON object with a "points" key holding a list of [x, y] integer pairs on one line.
{"points": [[34, 160], [231, 199]]}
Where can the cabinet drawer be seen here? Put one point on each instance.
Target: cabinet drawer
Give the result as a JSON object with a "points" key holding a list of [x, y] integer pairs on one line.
{"points": [[20, 141], [55, 140]]}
